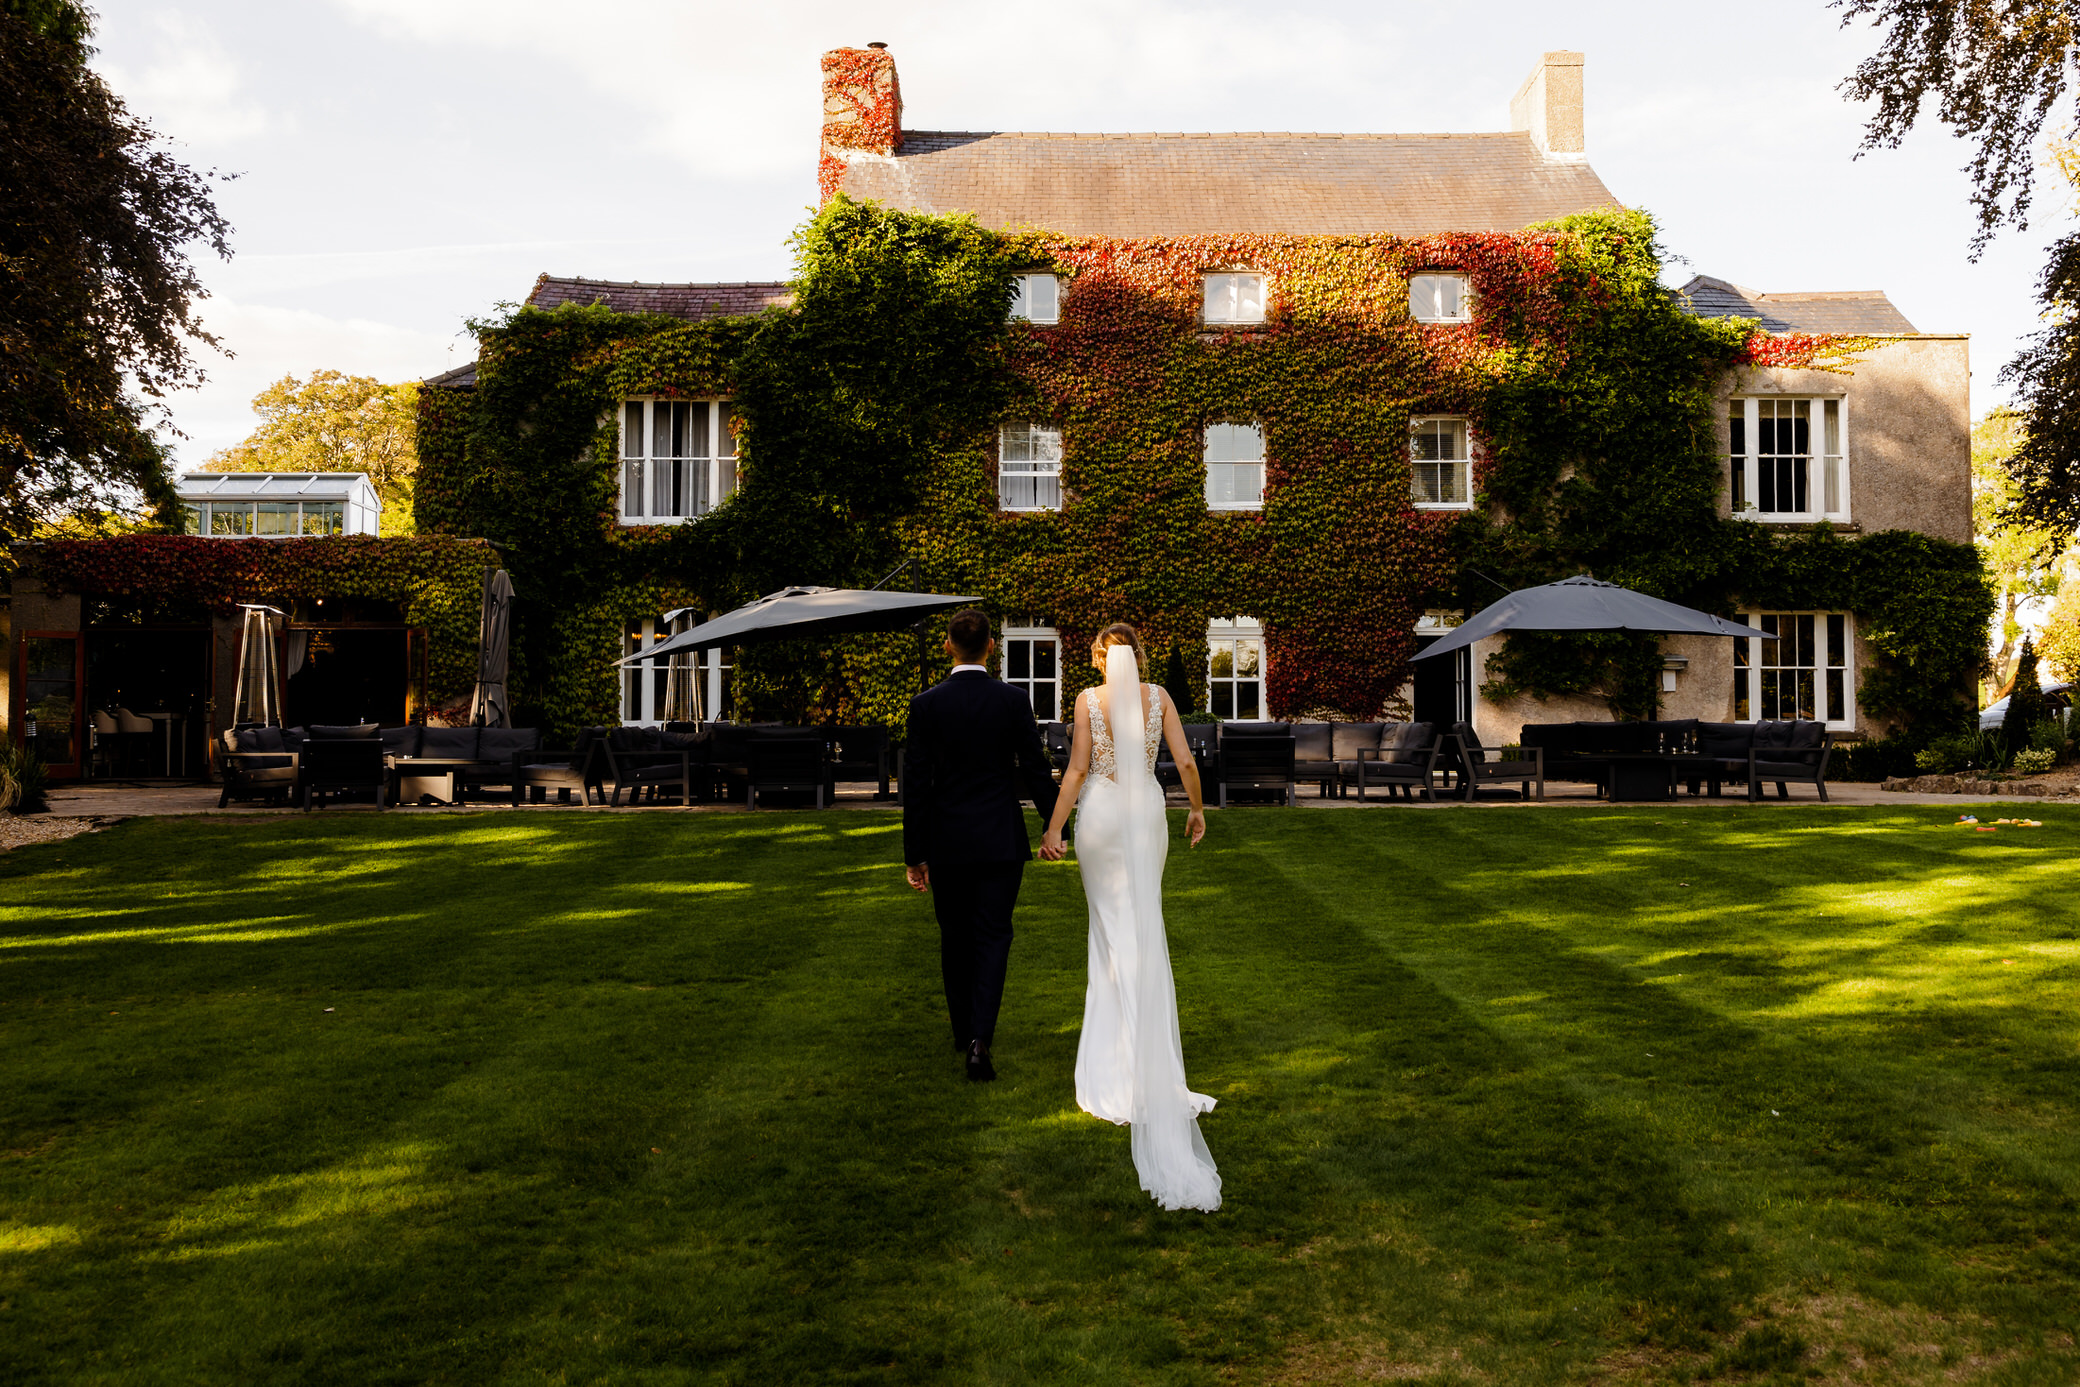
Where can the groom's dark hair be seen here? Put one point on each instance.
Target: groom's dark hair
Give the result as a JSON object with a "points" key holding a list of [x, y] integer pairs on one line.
{"points": [[969, 632]]}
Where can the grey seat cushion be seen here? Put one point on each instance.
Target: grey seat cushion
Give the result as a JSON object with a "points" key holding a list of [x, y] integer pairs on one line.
{"points": [[323, 732], [1404, 741], [449, 743], [1313, 741], [1255, 729], [1725, 741], [261, 739], [499, 743], [1347, 739], [401, 741]]}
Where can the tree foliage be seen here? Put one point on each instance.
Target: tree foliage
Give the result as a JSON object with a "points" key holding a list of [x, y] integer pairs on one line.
{"points": [[1997, 70], [97, 291], [2022, 559], [333, 422]]}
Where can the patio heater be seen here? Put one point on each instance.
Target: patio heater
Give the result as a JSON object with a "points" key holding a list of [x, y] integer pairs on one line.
{"points": [[682, 680], [259, 698]]}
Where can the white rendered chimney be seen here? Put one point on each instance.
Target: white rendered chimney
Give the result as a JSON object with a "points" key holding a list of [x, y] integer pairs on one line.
{"points": [[1549, 107]]}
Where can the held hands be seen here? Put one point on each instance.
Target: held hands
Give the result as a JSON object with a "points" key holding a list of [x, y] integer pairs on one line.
{"points": [[1051, 849], [1195, 826]]}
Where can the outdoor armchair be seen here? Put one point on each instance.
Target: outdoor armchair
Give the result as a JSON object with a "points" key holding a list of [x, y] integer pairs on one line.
{"points": [[538, 772], [1476, 770], [786, 759], [1404, 762], [1202, 740], [643, 760], [344, 765], [1788, 751], [858, 754], [1256, 757], [258, 763]]}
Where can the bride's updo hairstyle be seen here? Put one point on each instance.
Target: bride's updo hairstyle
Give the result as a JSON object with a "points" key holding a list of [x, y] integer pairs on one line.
{"points": [[1119, 633]]}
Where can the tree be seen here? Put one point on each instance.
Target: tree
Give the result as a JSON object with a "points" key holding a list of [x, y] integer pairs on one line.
{"points": [[2026, 704], [1998, 70], [97, 293], [335, 422], [2023, 560]]}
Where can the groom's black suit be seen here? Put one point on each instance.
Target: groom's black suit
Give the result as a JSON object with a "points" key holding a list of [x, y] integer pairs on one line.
{"points": [[973, 752]]}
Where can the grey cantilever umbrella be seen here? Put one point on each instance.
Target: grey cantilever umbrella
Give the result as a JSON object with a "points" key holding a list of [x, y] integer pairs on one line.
{"points": [[1584, 605], [792, 613]]}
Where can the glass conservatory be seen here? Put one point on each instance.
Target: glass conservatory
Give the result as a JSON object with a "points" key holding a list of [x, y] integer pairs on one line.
{"points": [[278, 505]]}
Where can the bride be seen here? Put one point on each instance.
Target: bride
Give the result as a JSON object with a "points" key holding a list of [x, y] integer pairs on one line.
{"points": [[1130, 1062]]}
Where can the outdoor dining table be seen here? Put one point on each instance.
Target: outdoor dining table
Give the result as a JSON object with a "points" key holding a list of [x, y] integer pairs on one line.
{"points": [[1649, 775]]}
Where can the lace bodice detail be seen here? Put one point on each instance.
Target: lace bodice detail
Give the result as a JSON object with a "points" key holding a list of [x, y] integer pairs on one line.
{"points": [[1104, 759]]}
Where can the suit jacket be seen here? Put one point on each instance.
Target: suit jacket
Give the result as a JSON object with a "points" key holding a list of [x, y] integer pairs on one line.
{"points": [[973, 752]]}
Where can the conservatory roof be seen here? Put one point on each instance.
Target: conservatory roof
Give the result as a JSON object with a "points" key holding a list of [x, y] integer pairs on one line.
{"points": [[269, 486]]}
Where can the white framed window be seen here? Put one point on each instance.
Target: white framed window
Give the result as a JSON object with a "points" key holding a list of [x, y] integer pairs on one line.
{"points": [[1235, 668], [1234, 297], [276, 518], [1038, 299], [1788, 457], [1440, 464], [1031, 662], [1029, 467], [1440, 298], [1234, 467], [1800, 665], [678, 460]]}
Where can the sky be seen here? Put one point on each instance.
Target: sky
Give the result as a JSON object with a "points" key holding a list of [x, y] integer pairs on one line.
{"points": [[406, 165]]}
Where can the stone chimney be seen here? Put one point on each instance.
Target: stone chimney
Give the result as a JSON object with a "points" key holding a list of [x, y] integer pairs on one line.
{"points": [[1549, 107], [862, 110]]}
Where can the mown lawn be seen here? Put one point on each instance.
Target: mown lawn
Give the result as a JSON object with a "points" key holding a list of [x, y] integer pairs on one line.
{"points": [[1505, 1097]]}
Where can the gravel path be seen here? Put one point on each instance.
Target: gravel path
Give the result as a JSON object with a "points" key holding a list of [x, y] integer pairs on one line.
{"points": [[18, 830]]}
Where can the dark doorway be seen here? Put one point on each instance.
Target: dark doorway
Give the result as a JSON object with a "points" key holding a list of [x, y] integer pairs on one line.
{"points": [[148, 697], [1444, 686], [345, 676]]}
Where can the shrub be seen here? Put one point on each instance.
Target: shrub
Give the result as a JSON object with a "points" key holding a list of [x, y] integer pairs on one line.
{"points": [[21, 779], [1963, 751], [2035, 761], [1880, 759]]}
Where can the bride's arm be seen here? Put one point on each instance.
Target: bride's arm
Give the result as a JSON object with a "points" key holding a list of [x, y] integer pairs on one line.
{"points": [[1187, 769], [1072, 781]]}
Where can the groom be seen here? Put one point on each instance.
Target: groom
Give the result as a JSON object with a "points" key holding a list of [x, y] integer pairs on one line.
{"points": [[973, 751]]}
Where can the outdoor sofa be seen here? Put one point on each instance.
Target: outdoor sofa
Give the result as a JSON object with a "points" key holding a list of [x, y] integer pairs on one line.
{"points": [[1699, 754], [468, 758]]}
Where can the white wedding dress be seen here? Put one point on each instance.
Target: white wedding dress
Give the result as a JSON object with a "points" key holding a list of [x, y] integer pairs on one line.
{"points": [[1130, 1061]]}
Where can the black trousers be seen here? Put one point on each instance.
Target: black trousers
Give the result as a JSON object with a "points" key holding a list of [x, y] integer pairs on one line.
{"points": [[973, 901]]}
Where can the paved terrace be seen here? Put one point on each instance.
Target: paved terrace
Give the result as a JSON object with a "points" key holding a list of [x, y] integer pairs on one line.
{"points": [[123, 800]]}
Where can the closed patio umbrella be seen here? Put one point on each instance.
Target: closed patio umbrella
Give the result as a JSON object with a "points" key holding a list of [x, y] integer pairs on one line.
{"points": [[494, 634], [1582, 606]]}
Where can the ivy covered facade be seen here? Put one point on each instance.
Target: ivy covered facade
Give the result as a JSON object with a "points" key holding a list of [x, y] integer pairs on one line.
{"points": [[1285, 455]]}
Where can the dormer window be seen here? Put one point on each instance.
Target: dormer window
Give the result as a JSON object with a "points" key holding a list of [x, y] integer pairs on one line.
{"points": [[1234, 298], [1038, 299], [1440, 298]]}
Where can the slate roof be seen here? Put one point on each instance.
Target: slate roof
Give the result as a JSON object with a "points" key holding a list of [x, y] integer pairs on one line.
{"points": [[1177, 184], [460, 378], [678, 300], [1857, 311]]}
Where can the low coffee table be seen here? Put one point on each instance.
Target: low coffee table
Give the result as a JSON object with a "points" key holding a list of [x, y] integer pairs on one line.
{"points": [[1650, 775], [432, 777]]}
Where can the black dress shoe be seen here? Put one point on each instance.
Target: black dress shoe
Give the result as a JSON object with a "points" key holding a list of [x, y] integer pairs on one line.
{"points": [[979, 1067]]}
